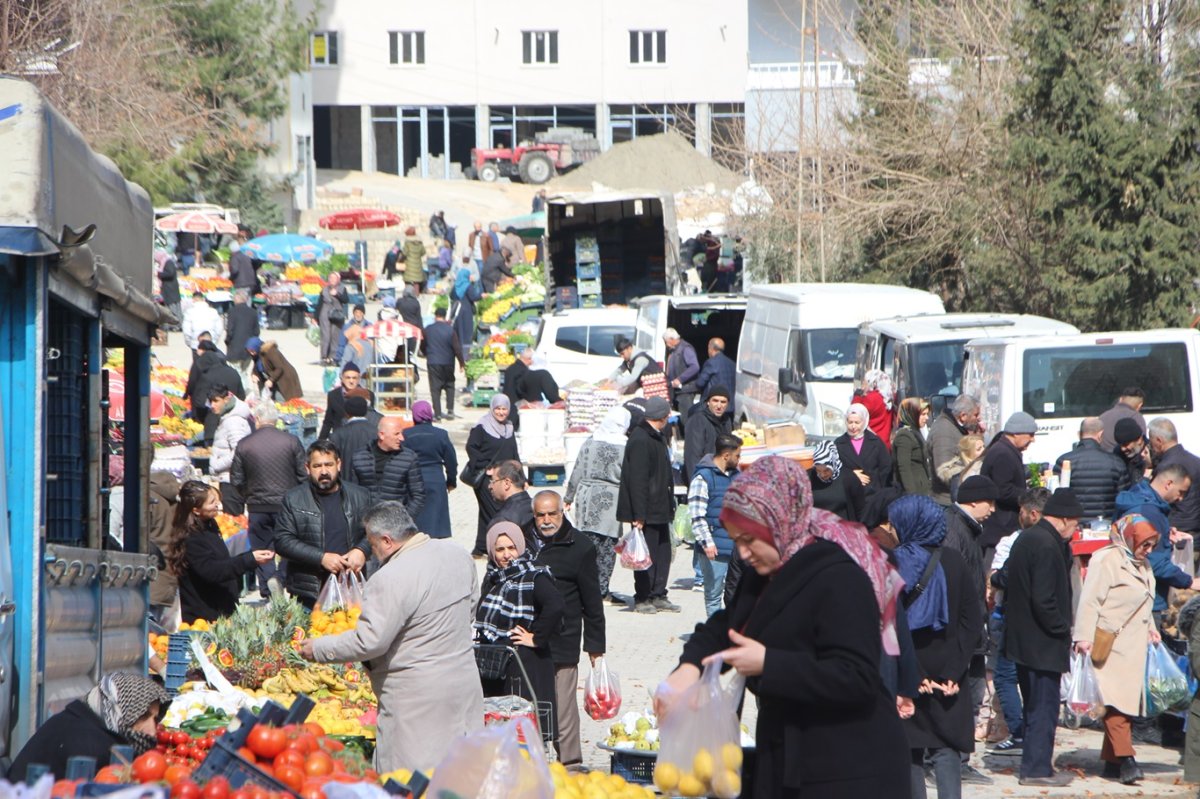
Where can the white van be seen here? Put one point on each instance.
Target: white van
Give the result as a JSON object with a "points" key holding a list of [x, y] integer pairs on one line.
{"points": [[924, 354], [797, 350], [696, 317], [580, 343], [1060, 380]]}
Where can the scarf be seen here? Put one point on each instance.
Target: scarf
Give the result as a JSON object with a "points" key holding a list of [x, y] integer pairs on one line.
{"points": [[825, 453], [920, 525], [860, 410], [510, 601], [614, 428], [422, 412], [910, 412], [773, 501], [1131, 531], [121, 700], [491, 425], [878, 380]]}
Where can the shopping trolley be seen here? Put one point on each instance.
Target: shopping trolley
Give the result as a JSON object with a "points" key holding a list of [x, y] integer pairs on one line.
{"points": [[493, 661]]}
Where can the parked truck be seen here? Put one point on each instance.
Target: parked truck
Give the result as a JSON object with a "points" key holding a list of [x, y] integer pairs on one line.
{"points": [[76, 260]]}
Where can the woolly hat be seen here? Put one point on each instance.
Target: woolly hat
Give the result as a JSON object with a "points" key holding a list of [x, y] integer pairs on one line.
{"points": [[1126, 430], [978, 488], [657, 408], [1063, 505], [1021, 423], [356, 406]]}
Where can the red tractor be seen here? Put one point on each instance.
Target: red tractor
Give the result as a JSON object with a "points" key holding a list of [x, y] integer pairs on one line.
{"points": [[533, 162]]}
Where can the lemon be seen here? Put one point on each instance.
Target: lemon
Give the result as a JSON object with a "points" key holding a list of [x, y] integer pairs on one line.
{"points": [[702, 765], [666, 776], [727, 784], [731, 756], [689, 785]]}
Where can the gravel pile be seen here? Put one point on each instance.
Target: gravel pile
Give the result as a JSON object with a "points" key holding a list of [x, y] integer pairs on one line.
{"points": [[666, 162]]}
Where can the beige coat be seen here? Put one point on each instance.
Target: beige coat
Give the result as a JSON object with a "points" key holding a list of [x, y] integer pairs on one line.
{"points": [[415, 634], [1118, 591]]}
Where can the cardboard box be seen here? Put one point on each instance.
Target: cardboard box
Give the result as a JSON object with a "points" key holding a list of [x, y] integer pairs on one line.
{"points": [[784, 435]]}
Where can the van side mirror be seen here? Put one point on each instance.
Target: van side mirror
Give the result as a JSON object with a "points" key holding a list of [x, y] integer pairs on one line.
{"points": [[790, 383]]}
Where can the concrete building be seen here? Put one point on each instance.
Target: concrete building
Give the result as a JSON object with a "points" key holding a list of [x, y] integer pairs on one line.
{"points": [[406, 87]]}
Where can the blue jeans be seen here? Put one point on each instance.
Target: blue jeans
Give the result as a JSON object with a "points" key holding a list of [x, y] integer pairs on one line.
{"points": [[713, 574], [1004, 680]]}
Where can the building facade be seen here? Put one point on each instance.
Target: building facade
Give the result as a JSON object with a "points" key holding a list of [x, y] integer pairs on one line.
{"points": [[410, 88]]}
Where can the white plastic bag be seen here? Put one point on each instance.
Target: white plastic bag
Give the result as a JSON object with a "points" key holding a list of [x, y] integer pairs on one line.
{"points": [[700, 751], [1083, 698], [602, 692], [1166, 686], [489, 764], [633, 551]]}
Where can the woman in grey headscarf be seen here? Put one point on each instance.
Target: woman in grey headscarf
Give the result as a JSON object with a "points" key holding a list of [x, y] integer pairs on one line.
{"points": [[490, 442], [593, 486], [123, 710]]}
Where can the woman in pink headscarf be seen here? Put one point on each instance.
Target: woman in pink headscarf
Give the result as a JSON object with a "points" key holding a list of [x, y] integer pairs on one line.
{"points": [[811, 619]]}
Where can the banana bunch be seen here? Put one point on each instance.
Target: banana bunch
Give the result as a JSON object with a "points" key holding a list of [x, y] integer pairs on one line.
{"points": [[319, 681]]}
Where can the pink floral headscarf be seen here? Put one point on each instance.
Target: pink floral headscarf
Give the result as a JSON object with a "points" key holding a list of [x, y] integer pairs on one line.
{"points": [[772, 500]]}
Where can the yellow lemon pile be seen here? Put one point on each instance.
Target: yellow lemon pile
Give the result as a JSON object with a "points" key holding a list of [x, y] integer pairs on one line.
{"points": [[707, 776], [594, 785], [339, 621]]}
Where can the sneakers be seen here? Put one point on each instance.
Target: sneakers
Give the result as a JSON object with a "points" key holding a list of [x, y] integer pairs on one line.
{"points": [[1059, 779], [662, 603], [972, 776], [645, 607], [1009, 746]]}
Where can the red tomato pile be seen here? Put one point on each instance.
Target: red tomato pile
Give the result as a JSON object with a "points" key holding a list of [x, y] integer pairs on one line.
{"points": [[300, 756], [602, 704]]}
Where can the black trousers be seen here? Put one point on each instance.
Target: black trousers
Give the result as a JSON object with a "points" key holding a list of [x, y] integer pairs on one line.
{"points": [[441, 379], [1039, 692], [652, 583]]}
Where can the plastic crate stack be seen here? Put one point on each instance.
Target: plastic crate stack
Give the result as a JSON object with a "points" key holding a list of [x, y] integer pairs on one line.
{"points": [[587, 271], [179, 658]]}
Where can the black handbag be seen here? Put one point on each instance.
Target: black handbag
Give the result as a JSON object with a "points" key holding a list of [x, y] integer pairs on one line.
{"points": [[472, 477]]}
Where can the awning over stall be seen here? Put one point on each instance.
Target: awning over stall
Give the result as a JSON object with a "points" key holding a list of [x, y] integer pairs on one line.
{"points": [[56, 187]]}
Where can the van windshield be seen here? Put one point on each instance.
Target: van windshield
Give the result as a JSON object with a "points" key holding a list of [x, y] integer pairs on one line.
{"points": [[936, 368], [1068, 382], [829, 354]]}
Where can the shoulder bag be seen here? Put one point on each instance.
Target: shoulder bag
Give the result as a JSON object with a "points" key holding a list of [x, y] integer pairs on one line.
{"points": [[1103, 640]]}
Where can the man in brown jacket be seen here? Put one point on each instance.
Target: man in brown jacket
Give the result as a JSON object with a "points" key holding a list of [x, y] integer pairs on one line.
{"points": [[164, 493]]}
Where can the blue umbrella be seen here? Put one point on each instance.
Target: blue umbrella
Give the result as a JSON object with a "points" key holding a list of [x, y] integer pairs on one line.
{"points": [[283, 248]]}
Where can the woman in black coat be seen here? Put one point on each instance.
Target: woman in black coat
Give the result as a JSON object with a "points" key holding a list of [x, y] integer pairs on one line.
{"points": [[489, 442], [945, 621], [804, 629], [862, 452], [210, 579], [123, 710], [519, 606]]}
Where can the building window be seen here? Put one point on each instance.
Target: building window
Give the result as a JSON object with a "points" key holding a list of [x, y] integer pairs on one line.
{"points": [[323, 49], [406, 47], [647, 47], [539, 47]]}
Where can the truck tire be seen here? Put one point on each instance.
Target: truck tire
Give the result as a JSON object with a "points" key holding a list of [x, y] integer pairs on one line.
{"points": [[489, 173], [536, 168]]}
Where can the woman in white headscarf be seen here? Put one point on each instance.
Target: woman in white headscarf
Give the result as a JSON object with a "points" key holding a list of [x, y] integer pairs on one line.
{"points": [[489, 442], [592, 489], [863, 452]]}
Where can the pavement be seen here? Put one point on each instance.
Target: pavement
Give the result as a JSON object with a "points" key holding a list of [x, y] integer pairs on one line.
{"points": [[643, 649]]}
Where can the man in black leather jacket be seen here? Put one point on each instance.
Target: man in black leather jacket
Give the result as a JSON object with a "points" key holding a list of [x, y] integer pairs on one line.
{"points": [[319, 531]]}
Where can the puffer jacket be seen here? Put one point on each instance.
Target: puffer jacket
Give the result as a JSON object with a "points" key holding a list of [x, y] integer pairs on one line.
{"points": [[300, 534], [1096, 477], [401, 478], [1143, 499], [164, 493], [236, 423]]}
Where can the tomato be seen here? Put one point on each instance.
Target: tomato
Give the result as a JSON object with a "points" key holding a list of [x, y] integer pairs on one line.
{"points": [[164, 735], [110, 775], [266, 741], [332, 745], [65, 789], [289, 757], [240, 793], [318, 764], [312, 792], [179, 737], [316, 729], [175, 773], [370, 775], [149, 767], [305, 742], [217, 788], [247, 755], [291, 776], [257, 791], [185, 789]]}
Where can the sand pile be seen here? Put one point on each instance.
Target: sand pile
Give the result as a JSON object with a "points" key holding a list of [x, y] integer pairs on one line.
{"points": [[667, 162]]}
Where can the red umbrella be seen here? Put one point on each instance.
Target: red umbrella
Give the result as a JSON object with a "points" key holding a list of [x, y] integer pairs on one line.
{"points": [[359, 219], [390, 328], [195, 222]]}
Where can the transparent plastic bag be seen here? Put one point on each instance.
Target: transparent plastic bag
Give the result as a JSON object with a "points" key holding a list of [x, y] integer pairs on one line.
{"points": [[700, 752], [352, 589], [489, 764], [1166, 686], [331, 597], [633, 551], [682, 526], [602, 692], [1083, 698]]}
